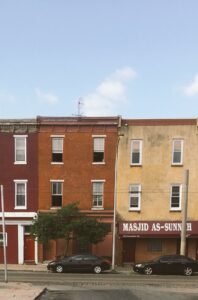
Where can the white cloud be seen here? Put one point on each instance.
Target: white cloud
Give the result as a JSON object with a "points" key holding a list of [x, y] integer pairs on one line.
{"points": [[110, 94], [46, 97], [192, 88]]}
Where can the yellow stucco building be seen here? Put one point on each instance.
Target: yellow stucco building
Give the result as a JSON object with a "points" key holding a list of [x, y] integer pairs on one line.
{"points": [[153, 156]]}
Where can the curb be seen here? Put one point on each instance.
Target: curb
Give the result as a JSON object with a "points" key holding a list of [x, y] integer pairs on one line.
{"points": [[40, 294]]}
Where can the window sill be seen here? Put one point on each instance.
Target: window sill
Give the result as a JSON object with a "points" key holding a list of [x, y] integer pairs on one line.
{"points": [[98, 163], [20, 163], [175, 210], [55, 207], [176, 165], [20, 207], [97, 208], [135, 165], [134, 210], [57, 163]]}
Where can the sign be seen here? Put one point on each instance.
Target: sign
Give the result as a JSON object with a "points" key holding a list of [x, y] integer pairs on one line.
{"points": [[157, 228]]}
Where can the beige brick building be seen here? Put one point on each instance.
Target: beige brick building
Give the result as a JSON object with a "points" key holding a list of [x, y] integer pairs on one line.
{"points": [[152, 158]]}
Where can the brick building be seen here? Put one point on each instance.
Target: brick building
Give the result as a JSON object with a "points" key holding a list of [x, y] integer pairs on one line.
{"points": [[152, 159], [19, 177], [76, 164]]}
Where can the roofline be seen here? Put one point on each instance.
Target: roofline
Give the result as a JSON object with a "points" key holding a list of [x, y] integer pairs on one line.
{"points": [[78, 120], [18, 121], [159, 122]]}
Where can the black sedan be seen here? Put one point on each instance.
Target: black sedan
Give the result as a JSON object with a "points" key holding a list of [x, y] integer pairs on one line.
{"points": [[168, 264], [80, 263]]}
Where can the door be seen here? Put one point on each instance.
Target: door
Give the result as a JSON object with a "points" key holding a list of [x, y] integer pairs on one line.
{"points": [[128, 254], [29, 251]]}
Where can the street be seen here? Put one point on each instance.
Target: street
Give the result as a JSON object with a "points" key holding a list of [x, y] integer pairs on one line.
{"points": [[109, 286]]}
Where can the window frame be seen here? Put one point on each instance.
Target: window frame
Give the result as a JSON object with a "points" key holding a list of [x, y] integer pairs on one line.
{"points": [[20, 162], [102, 162], [52, 152], [52, 182], [140, 152], [180, 197], [136, 194], [16, 182], [97, 207], [181, 151]]}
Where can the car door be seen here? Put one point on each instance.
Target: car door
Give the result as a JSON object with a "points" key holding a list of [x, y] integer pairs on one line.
{"points": [[74, 263], [166, 265]]}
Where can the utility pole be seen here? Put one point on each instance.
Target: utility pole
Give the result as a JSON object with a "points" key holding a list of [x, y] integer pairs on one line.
{"points": [[184, 214], [4, 234], [115, 206]]}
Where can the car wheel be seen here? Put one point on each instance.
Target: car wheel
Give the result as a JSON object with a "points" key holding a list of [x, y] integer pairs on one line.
{"points": [[188, 271], [148, 270], [59, 269], [97, 269]]}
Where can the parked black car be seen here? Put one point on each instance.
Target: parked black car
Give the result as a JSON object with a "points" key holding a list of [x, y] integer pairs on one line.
{"points": [[169, 264], [80, 263]]}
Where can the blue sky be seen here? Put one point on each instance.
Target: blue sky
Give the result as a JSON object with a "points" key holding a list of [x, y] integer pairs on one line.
{"points": [[135, 58]]}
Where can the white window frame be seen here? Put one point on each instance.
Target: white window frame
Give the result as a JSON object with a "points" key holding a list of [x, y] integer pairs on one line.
{"points": [[137, 194], [57, 181], [180, 197], [1, 240], [21, 162], [16, 182], [99, 137], [99, 207], [140, 152], [57, 137], [173, 151]]}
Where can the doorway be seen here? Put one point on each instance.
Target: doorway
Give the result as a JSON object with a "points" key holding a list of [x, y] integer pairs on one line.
{"points": [[128, 253], [29, 251]]}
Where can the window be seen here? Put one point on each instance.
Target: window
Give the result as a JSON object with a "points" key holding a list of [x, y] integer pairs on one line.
{"points": [[1, 239], [97, 188], [98, 146], [57, 193], [136, 152], [20, 194], [177, 155], [175, 197], [57, 149], [155, 245], [134, 196], [20, 149]]}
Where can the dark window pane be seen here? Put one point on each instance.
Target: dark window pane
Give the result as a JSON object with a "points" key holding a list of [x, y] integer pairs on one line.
{"points": [[134, 201], [135, 158], [57, 157], [98, 156], [20, 200], [177, 157], [56, 200]]}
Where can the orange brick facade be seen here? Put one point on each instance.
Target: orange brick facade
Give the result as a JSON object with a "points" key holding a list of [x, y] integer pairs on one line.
{"points": [[77, 170]]}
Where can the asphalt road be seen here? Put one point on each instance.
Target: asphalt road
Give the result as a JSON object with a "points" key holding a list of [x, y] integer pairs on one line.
{"points": [[109, 286]]}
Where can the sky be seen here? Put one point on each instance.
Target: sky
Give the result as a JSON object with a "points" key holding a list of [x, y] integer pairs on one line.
{"points": [[134, 58]]}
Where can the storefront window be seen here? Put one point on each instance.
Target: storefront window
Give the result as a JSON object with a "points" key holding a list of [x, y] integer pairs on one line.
{"points": [[155, 245]]}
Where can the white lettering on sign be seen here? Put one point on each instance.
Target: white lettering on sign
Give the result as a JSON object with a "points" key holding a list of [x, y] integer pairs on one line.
{"points": [[135, 226], [154, 226]]}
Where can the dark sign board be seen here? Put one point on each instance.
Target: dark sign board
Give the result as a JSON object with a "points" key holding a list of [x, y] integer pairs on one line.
{"points": [[139, 228]]}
